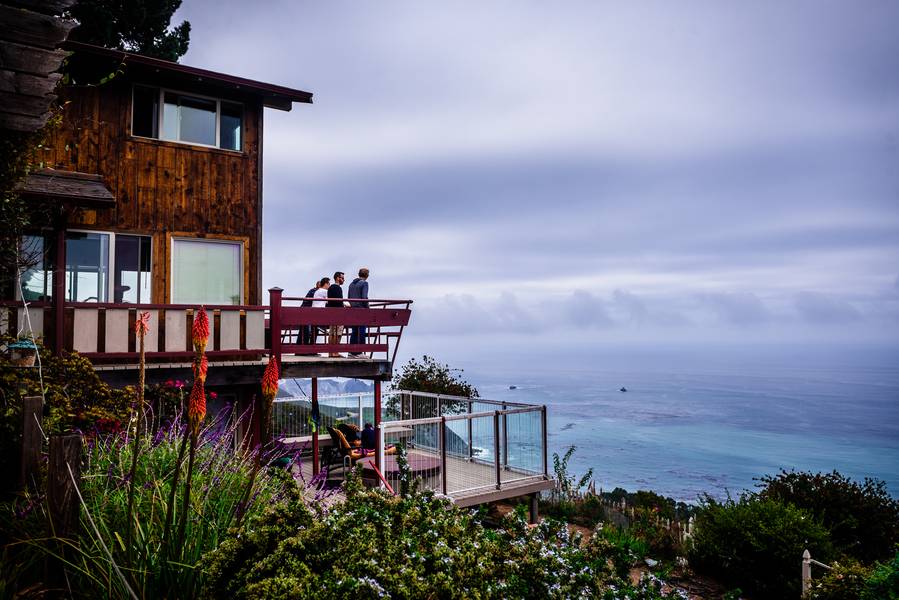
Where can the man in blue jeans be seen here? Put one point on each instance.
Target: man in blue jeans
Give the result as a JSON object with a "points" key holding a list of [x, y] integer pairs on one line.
{"points": [[358, 289]]}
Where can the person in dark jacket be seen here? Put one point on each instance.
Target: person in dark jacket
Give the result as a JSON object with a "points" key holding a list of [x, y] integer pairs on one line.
{"points": [[335, 300], [306, 333], [358, 289]]}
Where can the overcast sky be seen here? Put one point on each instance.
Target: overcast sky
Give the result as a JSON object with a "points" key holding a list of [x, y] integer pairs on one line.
{"points": [[586, 170]]}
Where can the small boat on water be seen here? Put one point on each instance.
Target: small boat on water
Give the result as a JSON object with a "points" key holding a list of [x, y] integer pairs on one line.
{"points": [[623, 389], [513, 387]]}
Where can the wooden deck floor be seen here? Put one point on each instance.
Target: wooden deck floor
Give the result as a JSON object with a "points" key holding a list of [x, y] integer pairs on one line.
{"points": [[468, 483]]}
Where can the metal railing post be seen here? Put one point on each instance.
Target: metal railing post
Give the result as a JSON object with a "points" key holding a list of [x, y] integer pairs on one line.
{"points": [[505, 438], [361, 420], [470, 442], [380, 454], [439, 413], [443, 453], [496, 449], [545, 449]]}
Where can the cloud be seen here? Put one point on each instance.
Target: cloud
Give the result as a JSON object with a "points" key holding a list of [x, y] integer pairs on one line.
{"points": [[815, 307], [587, 166], [737, 308]]}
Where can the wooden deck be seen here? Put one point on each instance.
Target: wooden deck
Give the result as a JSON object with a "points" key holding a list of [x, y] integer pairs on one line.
{"points": [[246, 372], [472, 481]]}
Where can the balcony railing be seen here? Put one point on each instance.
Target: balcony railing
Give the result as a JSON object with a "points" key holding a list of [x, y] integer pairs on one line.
{"points": [[104, 332]]}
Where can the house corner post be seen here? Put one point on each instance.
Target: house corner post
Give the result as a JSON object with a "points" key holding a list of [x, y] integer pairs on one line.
{"points": [[59, 287], [274, 295]]}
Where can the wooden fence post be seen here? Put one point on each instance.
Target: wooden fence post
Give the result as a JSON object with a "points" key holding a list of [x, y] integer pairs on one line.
{"points": [[62, 499], [32, 409], [806, 572]]}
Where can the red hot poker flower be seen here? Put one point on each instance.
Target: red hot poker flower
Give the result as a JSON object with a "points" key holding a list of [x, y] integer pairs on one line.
{"points": [[270, 380], [196, 405], [200, 332], [142, 324], [200, 368]]}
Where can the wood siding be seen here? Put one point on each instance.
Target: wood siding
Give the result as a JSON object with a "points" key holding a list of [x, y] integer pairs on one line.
{"points": [[162, 187]]}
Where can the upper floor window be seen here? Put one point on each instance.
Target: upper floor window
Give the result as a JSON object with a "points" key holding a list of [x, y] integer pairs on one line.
{"points": [[178, 117]]}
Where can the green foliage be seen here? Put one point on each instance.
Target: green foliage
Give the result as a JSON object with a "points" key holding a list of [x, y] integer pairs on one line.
{"points": [[756, 543], [428, 375], [140, 26], [850, 580], [75, 398], [419, 546], [154, 566], [863, 519], [569, 485]]}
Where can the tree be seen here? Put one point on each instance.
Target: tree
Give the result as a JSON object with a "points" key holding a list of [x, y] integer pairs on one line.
{"points": [[428, 375], [140, 26]]}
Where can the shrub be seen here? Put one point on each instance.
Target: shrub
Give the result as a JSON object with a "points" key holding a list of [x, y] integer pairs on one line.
{"points": [[863, 519], [756, 544], [418, 546], [850, 580], [76, 398], [154, 566]]}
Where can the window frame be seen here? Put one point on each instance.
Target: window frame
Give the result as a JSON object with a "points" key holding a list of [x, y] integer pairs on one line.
{"points": [[240, 243], [110, 285], [160, 116]]}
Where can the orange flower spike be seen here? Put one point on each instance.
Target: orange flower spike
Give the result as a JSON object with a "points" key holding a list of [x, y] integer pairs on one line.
{"points": [[200, 367], [270, 380], [142, 324], [196, 405], [200, 332]]}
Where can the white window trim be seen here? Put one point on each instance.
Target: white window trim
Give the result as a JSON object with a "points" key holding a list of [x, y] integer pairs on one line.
{"points": [[110, 284], [160, 112], [182, 238]]}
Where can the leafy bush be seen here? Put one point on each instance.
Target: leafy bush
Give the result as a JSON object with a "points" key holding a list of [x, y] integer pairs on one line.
{"points": [[428, 375], [756, 544], [850, 580], [153, 565], [863, 519], [418, 546], [76, 398]]}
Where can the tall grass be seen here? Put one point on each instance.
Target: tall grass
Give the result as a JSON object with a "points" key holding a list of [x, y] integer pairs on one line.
{"points": [[153, 564]]}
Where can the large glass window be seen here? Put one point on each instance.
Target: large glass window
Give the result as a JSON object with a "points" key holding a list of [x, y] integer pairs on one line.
{"points": [[35, 260], [180, 117], [206, 272], [131, 274], [87, 267]]}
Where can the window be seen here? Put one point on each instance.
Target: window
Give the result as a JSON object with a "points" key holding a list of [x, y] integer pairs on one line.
{"points": [[178, 117], [207, 271], [131, 274], [35, 260], [87, 267]]}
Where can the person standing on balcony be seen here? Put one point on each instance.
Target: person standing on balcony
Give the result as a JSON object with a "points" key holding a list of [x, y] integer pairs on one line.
{"points": [[335, 300], [357, 289], [304, 335], [319, 302]]}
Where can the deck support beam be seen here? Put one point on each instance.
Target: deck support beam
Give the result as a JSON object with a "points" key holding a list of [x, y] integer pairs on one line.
{"points": [[316, 467], [378, 448]]}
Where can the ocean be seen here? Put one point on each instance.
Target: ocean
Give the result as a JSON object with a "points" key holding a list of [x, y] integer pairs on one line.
{"points": [[712, 421]]}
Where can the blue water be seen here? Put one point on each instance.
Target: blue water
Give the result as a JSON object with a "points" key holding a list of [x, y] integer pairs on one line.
{"points": [[703, 422]]}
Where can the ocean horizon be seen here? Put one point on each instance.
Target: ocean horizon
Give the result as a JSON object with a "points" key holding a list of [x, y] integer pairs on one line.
{"points": [[712, 422]]}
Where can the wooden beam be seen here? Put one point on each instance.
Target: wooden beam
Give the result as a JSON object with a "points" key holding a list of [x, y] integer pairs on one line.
{"points": [[32, 28], [32, 409], [28, 59], [316, 467], [28, 85]]}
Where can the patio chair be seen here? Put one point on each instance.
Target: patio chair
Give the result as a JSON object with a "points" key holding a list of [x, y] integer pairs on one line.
{"points": [[347, 452]]}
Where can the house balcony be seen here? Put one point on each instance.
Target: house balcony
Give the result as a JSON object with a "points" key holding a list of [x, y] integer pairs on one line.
{"points": [[242, 338], [472, 450]]}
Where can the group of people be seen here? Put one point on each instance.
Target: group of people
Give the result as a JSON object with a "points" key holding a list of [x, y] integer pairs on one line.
{"points": [[328, 293]]}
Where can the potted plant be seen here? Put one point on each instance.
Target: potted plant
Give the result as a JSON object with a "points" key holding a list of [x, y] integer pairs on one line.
{"points": [[22, 353]]}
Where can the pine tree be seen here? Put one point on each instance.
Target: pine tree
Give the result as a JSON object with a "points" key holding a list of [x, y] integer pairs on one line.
{"points": [[139, 26]]}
